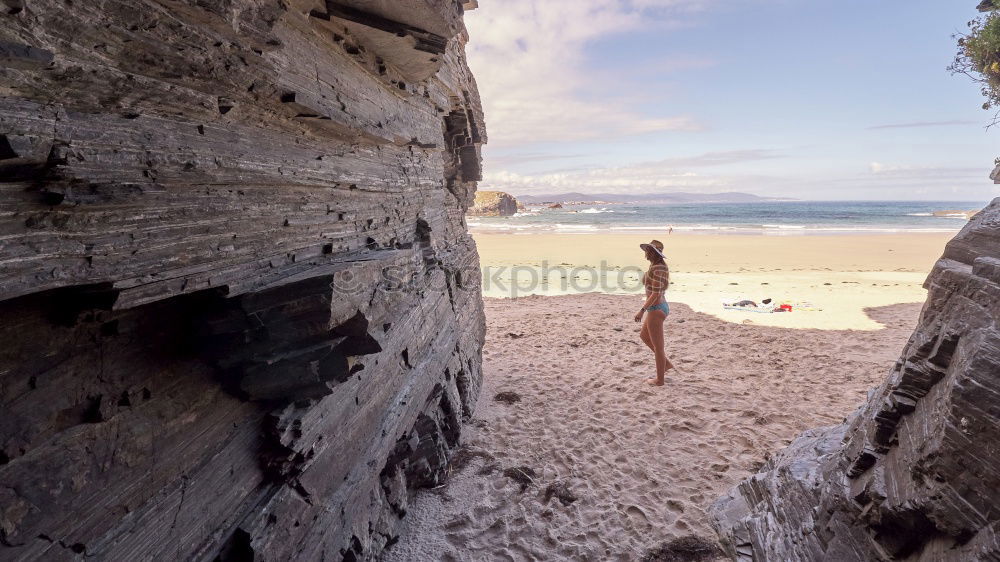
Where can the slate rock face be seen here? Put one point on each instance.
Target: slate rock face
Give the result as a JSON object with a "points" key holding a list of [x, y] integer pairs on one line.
{"points": [[240, 308], [494, 204], [914, 474]]}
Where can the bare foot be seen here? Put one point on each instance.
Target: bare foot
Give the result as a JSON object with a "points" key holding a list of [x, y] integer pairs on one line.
{"points": [[654, 382]]}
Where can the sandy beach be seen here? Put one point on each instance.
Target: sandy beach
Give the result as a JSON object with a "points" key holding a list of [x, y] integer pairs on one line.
{"points": [[570, 456], [829, 279]]}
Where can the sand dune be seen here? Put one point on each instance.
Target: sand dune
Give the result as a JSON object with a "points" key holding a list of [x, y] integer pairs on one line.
{"points": [[583, 461]]}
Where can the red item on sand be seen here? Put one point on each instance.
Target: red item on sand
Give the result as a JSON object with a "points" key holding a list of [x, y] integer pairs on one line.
{"points": [[787, 307]]}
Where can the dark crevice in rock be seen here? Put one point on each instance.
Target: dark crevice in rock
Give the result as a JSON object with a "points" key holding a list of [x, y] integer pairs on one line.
{"points": [[34, 160], [23, 57], [225, 105], [14, 7], [424, 40], [238, 548], [462, 384], [65, 307], [280, 462], [6, 151], [355, 553], [87, 411], [78, 548], [463, 161], [903, 533]]}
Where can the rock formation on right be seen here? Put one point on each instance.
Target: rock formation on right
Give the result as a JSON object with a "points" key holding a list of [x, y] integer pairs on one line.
{"points": [[914, 474]]}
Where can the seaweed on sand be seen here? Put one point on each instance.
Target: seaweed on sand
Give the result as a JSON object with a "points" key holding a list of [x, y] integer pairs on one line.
{"points": [[690, 548]]}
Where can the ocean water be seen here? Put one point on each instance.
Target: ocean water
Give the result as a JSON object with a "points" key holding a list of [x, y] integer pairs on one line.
{"points": [[771, 218]]}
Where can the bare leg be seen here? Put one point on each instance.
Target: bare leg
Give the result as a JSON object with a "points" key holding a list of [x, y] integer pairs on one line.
{"points": [[644, 334], [654, 325]]}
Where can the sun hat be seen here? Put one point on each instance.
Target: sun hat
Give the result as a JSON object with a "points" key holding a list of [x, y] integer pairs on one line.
{"points": [[656, 245]]}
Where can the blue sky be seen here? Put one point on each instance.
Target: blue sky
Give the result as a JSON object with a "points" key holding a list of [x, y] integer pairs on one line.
{"points": [[794, 98]]}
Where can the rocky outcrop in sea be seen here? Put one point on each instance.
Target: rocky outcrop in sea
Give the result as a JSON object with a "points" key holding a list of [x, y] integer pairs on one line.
{"points": [[494, 204]]}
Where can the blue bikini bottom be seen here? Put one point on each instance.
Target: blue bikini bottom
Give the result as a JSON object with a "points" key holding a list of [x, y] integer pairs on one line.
{"points": [[662, 306]]}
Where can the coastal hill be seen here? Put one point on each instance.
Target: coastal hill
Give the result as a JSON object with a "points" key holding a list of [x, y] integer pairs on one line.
{"points": [[678, 197]]}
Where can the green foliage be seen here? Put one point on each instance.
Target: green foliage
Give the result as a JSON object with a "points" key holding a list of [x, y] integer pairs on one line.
{"points": [[979, 57]]}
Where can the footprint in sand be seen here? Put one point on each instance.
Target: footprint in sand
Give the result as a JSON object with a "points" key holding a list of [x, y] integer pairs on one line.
{"points": [[497, 528], [742, 441], [458, 523], [675, 506], [684, 426], [637, 517]]}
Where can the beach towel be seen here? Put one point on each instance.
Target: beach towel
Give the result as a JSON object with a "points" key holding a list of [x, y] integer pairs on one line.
{"points": [[761, 310]]}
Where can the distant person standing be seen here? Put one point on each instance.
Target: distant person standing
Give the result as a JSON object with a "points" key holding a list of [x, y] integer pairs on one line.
{"points": [[670, 229]]}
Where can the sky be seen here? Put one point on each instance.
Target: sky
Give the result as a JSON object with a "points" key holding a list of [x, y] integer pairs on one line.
{"points": [[846, 100]]}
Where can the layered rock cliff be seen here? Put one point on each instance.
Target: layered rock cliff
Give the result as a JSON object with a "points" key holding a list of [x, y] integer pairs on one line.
{"points": [[240, 309], [914, 474]]}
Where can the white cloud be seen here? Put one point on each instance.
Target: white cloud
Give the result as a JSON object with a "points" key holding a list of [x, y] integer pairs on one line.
{"points": [[929, 173], [721, 158], [716, 172], [525, 157], [529, 61], [672, 174], [919, 124], [879, 168]]}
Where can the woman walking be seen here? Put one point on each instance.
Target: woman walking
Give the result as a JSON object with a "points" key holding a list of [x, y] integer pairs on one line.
{"points": [[655, 310]]}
